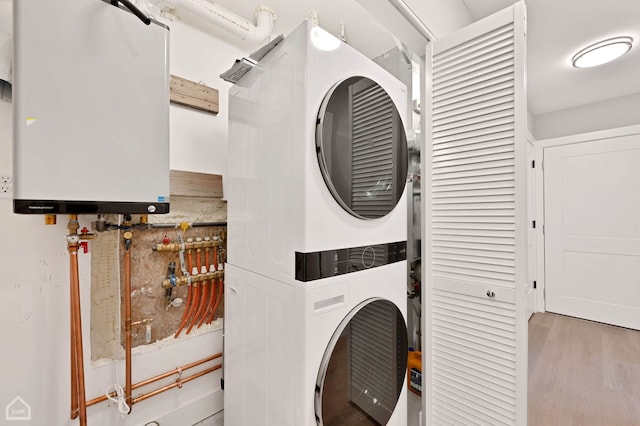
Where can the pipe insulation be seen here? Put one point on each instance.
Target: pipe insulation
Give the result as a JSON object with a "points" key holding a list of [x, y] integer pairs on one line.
{"points": [[225, 19]]}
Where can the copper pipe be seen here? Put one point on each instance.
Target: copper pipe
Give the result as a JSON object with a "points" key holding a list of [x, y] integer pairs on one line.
{"points": [[179, 382], [199, 256], [77, 328], [201, 308], [185, 313], [212, 301], [212, 289], [127, 317], [215, 257], [203, 291], [218, 300], [193, 306], [190, 261], [103, 398], [196, 288], [74, 372], [187, 306]]}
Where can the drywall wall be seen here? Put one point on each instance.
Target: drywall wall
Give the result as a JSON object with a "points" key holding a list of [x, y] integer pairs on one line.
{"points": [[609, 114], [442, 17], [34, 264], [34, 260]]}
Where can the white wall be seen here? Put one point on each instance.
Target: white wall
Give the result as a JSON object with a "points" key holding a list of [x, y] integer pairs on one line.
{"points": [[34, 262], [442, 17], [34, 265], [609, 114]]}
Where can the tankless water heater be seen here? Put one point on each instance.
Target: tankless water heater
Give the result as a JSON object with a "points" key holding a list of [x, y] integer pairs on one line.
{"points": [[91, 108]]}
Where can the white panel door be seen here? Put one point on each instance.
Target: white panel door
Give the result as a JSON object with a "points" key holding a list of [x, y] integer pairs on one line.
{"points": [[475, 244], [592, 230]]}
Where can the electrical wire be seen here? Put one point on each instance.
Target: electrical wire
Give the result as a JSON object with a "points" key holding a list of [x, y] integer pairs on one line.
{"points": [[120, 400]]}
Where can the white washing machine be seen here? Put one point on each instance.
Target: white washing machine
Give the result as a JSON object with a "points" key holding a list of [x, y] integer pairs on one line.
{"points": [[328, 352], [315, 284], [305, 128]]}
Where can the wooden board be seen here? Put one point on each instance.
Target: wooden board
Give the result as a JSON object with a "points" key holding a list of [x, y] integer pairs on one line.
{"points": [[195, 95], [191, 184]]}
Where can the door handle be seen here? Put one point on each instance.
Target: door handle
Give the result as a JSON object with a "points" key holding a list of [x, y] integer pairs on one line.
{"points": [[491, 293]]}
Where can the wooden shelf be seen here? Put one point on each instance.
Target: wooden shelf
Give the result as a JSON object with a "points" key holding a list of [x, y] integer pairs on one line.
{"points": [[195, 95]]}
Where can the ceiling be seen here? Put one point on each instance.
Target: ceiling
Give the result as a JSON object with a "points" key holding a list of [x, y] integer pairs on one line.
{"points": [[360, 29], [557, 29]]}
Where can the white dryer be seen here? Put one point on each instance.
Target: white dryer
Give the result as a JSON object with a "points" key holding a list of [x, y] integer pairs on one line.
{"points": [[315, 284], [317, 159]]}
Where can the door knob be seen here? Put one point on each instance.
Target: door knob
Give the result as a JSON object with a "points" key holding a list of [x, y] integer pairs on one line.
{"points": [[490, 293]]}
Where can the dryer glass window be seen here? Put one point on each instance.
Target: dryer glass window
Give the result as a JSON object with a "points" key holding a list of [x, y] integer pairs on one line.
{"points": [[362, 148], [364, 368]]}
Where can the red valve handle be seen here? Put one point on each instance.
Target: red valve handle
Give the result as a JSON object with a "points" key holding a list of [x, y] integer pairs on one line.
{"points": [[85, 246]]}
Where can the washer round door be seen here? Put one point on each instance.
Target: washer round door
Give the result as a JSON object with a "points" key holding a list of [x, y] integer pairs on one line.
{"points": [[362, 147], [364, 367]]}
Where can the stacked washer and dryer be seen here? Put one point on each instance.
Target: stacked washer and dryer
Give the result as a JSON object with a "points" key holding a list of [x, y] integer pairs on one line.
{"points": [[315, 291]]}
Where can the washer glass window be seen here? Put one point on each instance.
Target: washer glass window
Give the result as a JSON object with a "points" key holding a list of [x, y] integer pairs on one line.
{"points": [[364, 367], [362, 147]]}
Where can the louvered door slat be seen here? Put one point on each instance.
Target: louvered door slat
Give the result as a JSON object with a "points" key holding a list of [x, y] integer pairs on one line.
{"points": [[465, 97], [448, 56], [475, 228], [485, 71], [494, 105], [476, 150], [506, 401], [487, 58], [483, 375], [491, 76]]}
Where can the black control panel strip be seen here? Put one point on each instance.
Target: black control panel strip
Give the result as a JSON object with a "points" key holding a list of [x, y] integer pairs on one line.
{"points": [[87, 207], [329, 263]]}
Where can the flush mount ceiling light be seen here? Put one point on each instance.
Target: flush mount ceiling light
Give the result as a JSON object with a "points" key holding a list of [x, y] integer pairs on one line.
{"points": [[602, 52]]}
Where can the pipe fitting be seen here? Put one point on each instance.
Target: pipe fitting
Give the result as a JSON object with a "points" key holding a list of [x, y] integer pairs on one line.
{"points": [[127, 236], [73, 224], [189, 245], [144, 321], [73, 239], [192, 279]]}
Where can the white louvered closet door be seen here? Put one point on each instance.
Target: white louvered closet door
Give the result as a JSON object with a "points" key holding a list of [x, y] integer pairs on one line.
{"points": [[476, 225]]}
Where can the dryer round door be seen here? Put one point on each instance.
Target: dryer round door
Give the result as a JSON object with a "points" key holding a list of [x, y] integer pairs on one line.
{"points": [[364, 367], [362, 147]]}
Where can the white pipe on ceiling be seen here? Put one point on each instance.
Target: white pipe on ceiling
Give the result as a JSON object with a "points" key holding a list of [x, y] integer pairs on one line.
{"points": [[229, 21]]}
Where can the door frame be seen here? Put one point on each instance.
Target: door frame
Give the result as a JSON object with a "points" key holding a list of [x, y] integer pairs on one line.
{"points": [[539, 148], [532, 208]]}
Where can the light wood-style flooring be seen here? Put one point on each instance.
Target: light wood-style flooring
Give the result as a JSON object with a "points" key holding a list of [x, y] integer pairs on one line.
{"points": [[582, 373]]}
